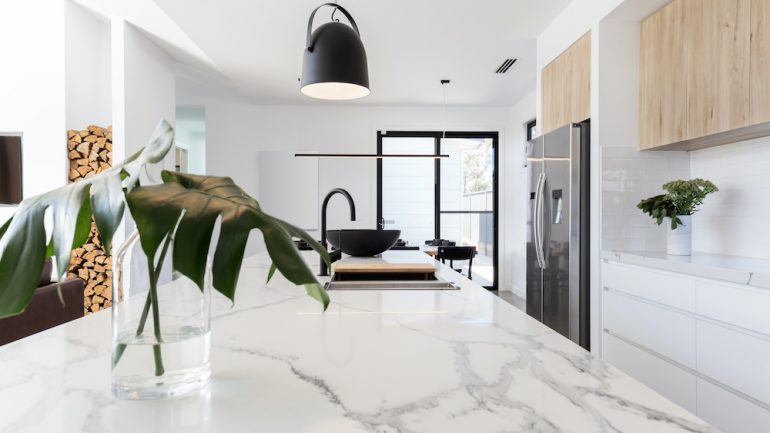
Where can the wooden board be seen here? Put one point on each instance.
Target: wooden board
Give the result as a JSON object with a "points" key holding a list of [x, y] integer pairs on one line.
{"points": [[717, 50], [760, 61], [382, 267], [662, 78]]}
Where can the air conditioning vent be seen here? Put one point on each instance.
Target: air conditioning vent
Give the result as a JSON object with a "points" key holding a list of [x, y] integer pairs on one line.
{"points": [[503, 68]]}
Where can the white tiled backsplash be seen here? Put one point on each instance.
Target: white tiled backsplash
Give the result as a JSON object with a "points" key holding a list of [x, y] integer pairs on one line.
{"points": [[628, 176], [735, 220]]}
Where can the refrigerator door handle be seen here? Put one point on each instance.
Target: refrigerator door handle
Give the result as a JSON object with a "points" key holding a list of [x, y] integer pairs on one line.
{"points": [[538, 223]]}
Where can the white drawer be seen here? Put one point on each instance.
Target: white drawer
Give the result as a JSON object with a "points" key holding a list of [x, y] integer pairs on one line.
{"points": [[745, 307], [729, 412], [657, 286], [738, 360], [669, 380], [663, 331]]}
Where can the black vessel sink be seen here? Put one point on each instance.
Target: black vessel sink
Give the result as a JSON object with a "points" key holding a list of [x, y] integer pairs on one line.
{"points": [[363, 243]]}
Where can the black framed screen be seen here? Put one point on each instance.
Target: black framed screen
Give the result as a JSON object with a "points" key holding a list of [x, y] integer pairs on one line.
{"points": [[10, 169]]}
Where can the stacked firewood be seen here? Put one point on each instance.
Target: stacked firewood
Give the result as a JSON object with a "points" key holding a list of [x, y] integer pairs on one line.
{"points": [[90, 152]]}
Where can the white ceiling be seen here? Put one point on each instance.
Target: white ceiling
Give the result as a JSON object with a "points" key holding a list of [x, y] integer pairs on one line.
{"points": [[411, 45], [257, 45]]}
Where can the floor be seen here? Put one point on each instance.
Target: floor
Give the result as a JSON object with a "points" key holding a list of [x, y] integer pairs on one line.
{"points": [[513, 299]]}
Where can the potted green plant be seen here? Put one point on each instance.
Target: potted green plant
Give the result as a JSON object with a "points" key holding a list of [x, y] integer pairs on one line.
{"points": [[156, 316], [678, 204]]}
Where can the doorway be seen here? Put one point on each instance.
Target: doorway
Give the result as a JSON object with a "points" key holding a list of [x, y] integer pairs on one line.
{"points": [[454, 198]]}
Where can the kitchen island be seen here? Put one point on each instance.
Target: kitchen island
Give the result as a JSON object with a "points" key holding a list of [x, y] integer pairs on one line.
{"points": [[375, 361]]}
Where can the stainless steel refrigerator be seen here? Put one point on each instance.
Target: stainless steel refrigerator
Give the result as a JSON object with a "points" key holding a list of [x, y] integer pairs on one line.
{"points": [[558, 238]]}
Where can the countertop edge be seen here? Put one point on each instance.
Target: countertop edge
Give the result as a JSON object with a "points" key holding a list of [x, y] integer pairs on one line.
{"points": [[703, 265]]}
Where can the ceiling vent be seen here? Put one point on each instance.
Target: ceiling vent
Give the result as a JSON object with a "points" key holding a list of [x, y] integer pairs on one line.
{"points": [[503, 68]]}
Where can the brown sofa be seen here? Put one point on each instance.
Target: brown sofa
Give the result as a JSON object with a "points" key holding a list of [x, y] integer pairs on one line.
{"points": [[45, 310]]}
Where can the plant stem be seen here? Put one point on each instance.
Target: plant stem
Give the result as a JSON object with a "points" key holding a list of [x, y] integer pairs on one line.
{"points": [[152, 301], [159, 370], [145, 312]]}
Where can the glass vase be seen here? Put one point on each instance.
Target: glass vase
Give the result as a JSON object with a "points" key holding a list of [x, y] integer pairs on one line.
{"points": [[161, 326]]}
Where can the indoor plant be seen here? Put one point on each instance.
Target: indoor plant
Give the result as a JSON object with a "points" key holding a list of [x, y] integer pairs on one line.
{"points": [[176, 218], [679, 203]]}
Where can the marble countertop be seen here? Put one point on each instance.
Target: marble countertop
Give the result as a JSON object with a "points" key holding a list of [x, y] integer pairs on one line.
{"points": [[376, 361], [733, 269]]}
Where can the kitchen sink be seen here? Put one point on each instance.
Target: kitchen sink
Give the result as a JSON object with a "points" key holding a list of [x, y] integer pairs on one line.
{"points": [[363, 243]]}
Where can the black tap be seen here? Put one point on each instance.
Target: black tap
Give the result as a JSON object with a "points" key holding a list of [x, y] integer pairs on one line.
{"points": [[324, 268]]}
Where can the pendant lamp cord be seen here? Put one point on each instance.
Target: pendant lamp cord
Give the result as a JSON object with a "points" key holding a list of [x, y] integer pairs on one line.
{"points": [[443, 92], [334, 11]]}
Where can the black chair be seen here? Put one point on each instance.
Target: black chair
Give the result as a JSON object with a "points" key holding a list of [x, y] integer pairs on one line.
{"points": [[457, 254]]}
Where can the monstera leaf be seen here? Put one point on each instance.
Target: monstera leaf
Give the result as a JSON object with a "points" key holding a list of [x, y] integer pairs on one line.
{"points": [[187, 206], [24, 240]]}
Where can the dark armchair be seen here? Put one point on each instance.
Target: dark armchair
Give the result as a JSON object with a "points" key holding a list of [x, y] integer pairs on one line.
{"points": [[45, 310]]}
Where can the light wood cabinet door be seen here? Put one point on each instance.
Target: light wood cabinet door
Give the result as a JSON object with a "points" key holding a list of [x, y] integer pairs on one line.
{"points": [[662, 78], [566, 86], [717, 47], [760, 61]]}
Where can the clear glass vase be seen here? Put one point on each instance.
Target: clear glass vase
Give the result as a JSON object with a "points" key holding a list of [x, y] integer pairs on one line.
{"points": [[161, 326]]}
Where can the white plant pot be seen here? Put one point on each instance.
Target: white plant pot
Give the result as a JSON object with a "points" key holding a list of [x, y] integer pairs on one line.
{"points": [[680, 240]]}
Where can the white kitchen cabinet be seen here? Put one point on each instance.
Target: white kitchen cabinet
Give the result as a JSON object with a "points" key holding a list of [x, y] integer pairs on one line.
{"points": [[747, 308], [674, 383], [736, 359], [659, 329], [661, 287], [703, 343], [729, 412]]}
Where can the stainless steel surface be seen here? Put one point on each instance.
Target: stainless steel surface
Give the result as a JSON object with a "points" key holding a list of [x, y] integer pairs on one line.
{"points": [[555, 289], [538, 221], [574, 240]]}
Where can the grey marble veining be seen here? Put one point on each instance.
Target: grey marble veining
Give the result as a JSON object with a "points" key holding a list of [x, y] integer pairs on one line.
{"points": [[376, 361]]}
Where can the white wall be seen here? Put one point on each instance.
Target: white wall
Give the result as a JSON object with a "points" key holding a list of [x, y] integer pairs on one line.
{"points": [[514, 197], [32, 86], [87, 68], [144, 90], [734, 221], [191, 134]]}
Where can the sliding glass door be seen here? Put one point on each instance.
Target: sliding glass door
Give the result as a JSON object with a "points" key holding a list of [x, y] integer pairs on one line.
{"points": [[452, 198], [467, 206]]}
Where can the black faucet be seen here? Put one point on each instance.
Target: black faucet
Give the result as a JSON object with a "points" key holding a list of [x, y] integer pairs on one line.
{"points": [[324, 268]]}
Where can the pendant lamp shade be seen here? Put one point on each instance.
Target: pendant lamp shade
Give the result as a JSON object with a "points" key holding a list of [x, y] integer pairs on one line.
{"points": [[334, 65]]}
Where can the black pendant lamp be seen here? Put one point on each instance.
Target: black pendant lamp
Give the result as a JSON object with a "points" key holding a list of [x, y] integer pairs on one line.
{"points": [[334, 66]]}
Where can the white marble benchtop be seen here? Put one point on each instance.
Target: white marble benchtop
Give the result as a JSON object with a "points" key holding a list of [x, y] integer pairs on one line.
{"points": [[733, 269], [378, 361]]}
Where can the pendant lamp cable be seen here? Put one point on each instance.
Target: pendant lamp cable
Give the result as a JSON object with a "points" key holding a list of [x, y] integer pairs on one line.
{"points": [[443, 92], [335, 11]]}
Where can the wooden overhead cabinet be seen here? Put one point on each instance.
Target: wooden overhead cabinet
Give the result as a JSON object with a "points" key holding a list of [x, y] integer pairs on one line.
{"points": [[717, 48], [704, 74], [663, 91], [759, 106], [566, 86]]}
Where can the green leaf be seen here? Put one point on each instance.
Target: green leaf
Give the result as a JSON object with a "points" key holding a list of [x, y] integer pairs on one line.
{"points": [[271, 272], [4, 227], [22, 259], [204, 199], [25, 237], [107, 206]]}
